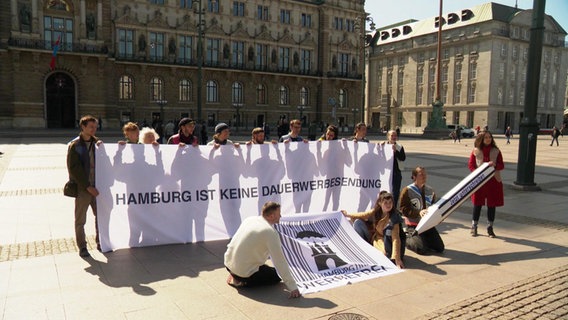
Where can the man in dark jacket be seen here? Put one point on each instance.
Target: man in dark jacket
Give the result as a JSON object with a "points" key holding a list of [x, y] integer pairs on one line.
{"points": [[81, 168]]}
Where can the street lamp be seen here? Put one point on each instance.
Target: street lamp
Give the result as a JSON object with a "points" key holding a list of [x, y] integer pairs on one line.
{"points": [[237, 107], [354, 110], [363, 22], [200, 33], [162, 103], [301, 109]]}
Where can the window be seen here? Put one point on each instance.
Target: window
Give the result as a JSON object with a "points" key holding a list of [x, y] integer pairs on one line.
{"points": [[126, 88], [445, 71], [284, 96], [469, 119], [342, 98], [344, 63], [513, 73], [58, 29], [185, 50], [525, 53], [554, 76], [432, 74], [304, 96], [421, 57], [418, 122], [157, 1], [399, 96], [261, 56], [212, 92], [503, 50], [285, 16], [306, 60], [457, 117], [444, 96], [156, 46], [338, 23], [544, 76], [457, 94], [125, 43], [185, 4], [238, 57], [400, 78], [237, 93], [471, 95], [306, 20], [431, 92], [283, 59], [420, 76], [499, 95], [238, 9], [419, 94], [156, 89], [473, 70], [262, 13], [511, 96], [458, 71], [501, 71], [515, 52], [446, 53], [184, 90], [213, 46], [349, 25], [261, 94], [213, 6]]}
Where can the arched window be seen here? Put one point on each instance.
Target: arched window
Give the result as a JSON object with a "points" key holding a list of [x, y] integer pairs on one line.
{"points": [[156, 89], [185, 90], [126, 88], [261, 94], [284, 96], [212, 91], [237, 93], [304, 96], [343, 98]]}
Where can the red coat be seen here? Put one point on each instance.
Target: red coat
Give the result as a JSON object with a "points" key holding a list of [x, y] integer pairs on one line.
{"points": [[491, 194]]}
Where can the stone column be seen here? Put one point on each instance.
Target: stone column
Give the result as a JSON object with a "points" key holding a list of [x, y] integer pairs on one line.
{"points": [[99, 19], [35, 21], [14, 6]]}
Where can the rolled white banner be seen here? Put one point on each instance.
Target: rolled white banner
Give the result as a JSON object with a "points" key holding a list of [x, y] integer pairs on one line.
{"points": [[455, 197]]}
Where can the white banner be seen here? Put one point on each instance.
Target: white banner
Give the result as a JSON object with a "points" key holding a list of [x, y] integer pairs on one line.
{"points": [[325, 252], [152, 195]]}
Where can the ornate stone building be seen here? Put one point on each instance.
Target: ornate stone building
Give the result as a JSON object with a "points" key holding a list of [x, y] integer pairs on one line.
{"points": [[483, 74], [138, 59]]}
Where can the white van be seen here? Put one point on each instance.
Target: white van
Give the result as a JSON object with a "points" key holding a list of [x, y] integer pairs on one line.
{"points": [[465, 131]]}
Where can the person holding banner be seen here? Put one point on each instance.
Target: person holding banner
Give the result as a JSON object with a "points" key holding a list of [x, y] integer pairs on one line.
{"points": [[331, 133], [81, 169], [294, 135], [360, 133], [258, 137], [131, 133], [221, 136], [397, 164], [414, 201], [382, 227], [149, 136], [185, 134], [491, 193], [256, 240]]}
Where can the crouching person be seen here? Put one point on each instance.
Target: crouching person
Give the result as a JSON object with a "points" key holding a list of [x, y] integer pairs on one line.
{"points": [[256, 240]]}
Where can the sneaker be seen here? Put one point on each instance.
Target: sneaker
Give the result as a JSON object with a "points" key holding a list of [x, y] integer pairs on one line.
{"points": [[84, 253], [473, 231], [490, 232]]}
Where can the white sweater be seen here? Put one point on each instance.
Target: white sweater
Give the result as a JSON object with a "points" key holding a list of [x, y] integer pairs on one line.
{"points": [[251, 246]]}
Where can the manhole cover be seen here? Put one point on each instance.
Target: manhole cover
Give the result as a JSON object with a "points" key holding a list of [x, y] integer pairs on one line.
{"points": [[348, 316]]}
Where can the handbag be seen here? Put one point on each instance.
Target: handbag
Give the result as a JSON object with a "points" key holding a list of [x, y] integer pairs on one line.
{"points": [[70, 189]]}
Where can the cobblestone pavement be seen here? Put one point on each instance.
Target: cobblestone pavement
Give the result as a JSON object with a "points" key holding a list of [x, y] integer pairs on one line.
{"points": [[544, 296]]}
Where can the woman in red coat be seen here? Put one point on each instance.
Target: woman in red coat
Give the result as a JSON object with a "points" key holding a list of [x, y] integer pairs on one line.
{"points": [[491, 194]]}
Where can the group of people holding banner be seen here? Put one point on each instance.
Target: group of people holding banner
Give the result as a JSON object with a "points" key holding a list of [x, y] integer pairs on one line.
{"points": [[383, 226]]}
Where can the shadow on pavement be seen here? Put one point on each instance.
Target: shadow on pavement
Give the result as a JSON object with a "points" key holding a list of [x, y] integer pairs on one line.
{"points": [[266, 295]]}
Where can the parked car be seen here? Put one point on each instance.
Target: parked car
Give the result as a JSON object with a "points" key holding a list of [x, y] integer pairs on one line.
{"points": [[465, 131]]}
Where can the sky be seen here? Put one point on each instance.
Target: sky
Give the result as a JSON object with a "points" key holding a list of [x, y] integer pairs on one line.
{"points": [[386, 12]]}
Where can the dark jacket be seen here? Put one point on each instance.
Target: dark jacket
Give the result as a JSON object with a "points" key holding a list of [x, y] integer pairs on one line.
{"points": [[78, 162]]}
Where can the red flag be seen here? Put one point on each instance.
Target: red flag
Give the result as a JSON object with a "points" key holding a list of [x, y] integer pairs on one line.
{"points": [[54, 55]]}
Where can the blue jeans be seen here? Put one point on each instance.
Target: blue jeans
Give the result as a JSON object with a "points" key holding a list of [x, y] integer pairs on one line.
{"points": [[361, 228]]}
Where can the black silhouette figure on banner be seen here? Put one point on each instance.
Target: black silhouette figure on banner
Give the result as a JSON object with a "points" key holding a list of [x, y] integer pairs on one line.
{"points": [[272, 170], [305, 170], [367, 168], [332, 165]]}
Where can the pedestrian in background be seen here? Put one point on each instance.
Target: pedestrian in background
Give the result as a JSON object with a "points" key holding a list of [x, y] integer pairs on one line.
{"points": [[508, 134], [81, 169], [555, 134], [491, 193], [397, 164], [360, 133]]}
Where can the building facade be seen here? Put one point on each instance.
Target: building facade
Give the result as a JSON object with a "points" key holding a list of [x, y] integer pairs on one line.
{"points": [[140, 60], [483, 70]]}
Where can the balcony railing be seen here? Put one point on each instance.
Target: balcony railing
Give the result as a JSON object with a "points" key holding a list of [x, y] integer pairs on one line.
{"points": [[64, 47]]}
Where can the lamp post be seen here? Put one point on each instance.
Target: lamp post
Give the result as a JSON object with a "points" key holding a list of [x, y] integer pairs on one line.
{"points": [[301, 109], [363, 29], [237, 107], [354, 110], [200, 31], [161, 103]]}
